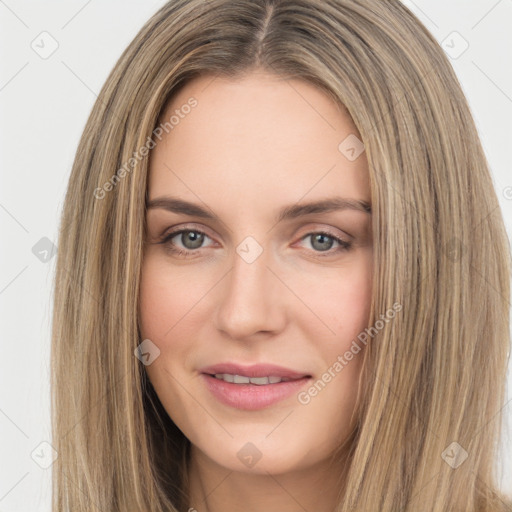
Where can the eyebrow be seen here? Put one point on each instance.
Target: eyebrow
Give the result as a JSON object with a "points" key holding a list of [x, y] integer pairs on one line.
{"points": [[294, 211]]}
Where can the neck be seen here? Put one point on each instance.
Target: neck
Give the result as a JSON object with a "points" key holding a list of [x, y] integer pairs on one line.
{"points": [[213, 488]]}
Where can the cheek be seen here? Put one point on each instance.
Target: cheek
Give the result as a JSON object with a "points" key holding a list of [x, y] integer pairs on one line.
{"points": [[165, 298], [340, 301], [164, 301], [342, 308], [172, 313]]}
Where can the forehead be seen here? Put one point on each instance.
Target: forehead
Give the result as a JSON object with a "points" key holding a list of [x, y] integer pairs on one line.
{"points": [[258, 140]]}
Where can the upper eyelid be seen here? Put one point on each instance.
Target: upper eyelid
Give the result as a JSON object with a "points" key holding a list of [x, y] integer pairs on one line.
{"points": [[355, 228], [175, 231], [187, 226]]}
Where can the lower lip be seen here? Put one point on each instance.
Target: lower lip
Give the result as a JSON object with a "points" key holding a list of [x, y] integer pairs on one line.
{"points": [[251, 397]]}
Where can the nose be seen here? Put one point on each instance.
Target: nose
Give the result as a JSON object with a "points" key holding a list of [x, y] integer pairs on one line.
{"points": [[252, 299]]}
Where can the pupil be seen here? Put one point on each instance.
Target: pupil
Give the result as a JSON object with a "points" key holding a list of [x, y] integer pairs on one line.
{"points": [[320, 238], [195, 238]]}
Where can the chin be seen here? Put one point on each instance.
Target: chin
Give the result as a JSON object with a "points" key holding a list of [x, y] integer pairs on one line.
{"points": [[261, 457]]}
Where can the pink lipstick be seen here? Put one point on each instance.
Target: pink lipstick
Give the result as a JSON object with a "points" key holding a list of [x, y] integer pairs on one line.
{"points": [[252, 387]]}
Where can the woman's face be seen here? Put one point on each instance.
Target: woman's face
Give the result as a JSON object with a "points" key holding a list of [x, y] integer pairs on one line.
{"points": [[257, 283]]}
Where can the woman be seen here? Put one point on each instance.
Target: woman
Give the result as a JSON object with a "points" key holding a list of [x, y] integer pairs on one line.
{"points": [[283, 276]]}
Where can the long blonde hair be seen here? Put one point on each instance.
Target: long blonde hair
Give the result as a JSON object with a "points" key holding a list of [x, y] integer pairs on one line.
{"points": [[434, 377]]}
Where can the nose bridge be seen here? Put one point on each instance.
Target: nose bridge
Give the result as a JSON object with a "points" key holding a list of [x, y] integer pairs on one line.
{"points": [[249, 298]]}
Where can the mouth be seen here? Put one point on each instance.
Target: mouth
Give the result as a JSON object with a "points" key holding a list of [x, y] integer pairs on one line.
{"points": [[243, 379], [252, 387], [255, 371]]}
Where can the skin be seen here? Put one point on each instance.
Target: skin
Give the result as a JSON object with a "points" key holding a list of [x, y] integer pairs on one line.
{"points": [[250, 147]]}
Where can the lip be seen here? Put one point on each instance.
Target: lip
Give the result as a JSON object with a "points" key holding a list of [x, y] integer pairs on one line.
{"points": [[256, 370], [251, 397]]}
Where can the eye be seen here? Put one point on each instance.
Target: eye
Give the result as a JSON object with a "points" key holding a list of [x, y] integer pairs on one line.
{"points": [[191, 240], [186, 242], [323, 241]]}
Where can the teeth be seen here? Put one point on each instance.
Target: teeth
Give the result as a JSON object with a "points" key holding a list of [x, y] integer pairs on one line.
{"points": [[241, 379], [259, 380]]}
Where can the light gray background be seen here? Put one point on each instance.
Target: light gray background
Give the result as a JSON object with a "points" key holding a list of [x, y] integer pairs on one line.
{"points": [[44, 103]]}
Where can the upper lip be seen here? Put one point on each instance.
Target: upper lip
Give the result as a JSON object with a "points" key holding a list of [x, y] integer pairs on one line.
{"points": [[256, 370]]}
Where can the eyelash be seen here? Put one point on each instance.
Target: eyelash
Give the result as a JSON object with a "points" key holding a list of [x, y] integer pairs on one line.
{"points": [[343, 245]]}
